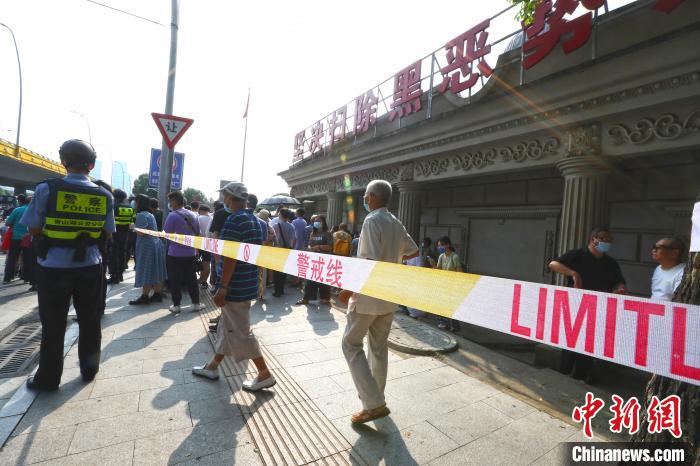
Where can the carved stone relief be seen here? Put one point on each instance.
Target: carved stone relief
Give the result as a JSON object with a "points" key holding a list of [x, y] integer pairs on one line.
{"points": [[584, 140], [667, 127], [406, 172], [527, 150]]}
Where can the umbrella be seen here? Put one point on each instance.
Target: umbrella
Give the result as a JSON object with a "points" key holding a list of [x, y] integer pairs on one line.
{"points": [[272, 203]]}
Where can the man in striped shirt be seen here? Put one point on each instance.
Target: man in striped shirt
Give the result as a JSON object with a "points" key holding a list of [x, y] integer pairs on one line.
{"points": [[238, 287]]}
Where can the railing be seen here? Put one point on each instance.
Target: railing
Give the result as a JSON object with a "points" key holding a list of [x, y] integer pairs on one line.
{"points": [[8, 149], [429, 84]]}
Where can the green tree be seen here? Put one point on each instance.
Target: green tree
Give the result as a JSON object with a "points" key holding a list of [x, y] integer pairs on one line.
{"points": [[141, 186], [527, 9], [192, 194]]}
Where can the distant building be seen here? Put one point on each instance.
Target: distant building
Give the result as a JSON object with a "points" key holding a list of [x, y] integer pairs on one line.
{"points": [[97, 171], [120, 177]]}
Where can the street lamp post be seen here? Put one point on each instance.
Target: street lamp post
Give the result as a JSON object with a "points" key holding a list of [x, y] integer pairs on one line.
{"points": [[87, 122], [19, 68], [166, 154]]}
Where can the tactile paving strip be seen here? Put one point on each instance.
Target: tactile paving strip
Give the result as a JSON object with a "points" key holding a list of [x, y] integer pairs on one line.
{"points": [[286, 425]]}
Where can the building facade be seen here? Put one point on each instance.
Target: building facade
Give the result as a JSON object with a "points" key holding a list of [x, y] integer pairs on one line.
{"points": [[523, 170]]}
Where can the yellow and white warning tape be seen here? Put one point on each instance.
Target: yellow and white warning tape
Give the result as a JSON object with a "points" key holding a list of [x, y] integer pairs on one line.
{"points": [[656, 336]]}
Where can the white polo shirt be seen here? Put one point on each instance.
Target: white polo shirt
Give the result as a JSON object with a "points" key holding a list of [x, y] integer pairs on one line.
{"points": [[383, 238]]}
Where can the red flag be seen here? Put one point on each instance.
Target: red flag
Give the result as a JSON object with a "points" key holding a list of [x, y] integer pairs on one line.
{"points": [[245, 115]]}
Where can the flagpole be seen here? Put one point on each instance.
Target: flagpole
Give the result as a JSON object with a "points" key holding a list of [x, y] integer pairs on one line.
{"points": [[245, 133], [245, 136]]}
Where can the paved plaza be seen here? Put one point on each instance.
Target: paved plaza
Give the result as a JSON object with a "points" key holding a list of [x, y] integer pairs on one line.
{"points": [[146, 407]]}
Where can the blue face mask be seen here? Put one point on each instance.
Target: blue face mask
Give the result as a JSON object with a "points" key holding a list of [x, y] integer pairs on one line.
{"points": [[603, 246], [367, 207], [318, 225], [441, 249]]}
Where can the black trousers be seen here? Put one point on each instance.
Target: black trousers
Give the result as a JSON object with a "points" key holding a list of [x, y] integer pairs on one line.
{"points": [[279, 278], [581, 364], [181, 270], [117, 257], [313, 289], [130, 248], [29, 265], [11, 259], [56, 288]]}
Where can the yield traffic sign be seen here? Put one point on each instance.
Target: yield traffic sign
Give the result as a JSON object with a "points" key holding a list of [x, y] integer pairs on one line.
{"points": [[171, 127]]}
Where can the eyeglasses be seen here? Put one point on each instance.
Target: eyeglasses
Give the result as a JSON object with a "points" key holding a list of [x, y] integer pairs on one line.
{"points": [[661, 246]]}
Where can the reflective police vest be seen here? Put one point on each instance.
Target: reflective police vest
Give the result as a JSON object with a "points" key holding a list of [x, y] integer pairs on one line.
{"points": [[123, 216], [75, 215]]}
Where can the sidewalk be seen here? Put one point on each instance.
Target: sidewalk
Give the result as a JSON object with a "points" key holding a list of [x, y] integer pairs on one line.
{"points": [[146, 407]]}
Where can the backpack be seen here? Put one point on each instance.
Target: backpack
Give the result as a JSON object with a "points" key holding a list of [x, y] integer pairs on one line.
{"points": [[341, 247]]}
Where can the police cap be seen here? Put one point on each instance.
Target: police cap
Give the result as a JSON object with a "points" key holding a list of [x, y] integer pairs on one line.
{"points": [[76, 153]]}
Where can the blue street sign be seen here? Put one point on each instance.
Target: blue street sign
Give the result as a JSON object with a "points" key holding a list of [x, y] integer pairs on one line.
{"points": [[154, 171]]}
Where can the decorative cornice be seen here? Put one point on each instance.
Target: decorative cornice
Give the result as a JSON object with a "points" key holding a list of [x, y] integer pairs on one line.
{"points": [[595, 102], [334, 185], [679, 209], [518, 153], [511, 212], [667, 127]]}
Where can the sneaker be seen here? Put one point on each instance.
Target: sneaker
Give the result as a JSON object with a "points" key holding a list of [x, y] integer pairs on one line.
{"points": [[255, 384], [202, 371], [198, 306], [174, 309]]}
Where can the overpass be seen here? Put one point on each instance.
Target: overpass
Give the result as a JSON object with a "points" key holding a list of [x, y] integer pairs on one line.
{"points": [[24, 170]]}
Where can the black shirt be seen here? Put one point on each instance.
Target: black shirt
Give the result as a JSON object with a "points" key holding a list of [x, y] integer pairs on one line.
{"points": [[158, 214], [597, 274], [217, 223]]}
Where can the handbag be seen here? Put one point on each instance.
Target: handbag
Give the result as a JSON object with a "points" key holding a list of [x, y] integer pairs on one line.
{"points": [[6, 239]]}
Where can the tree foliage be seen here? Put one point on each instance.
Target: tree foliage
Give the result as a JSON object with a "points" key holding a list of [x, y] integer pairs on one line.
{"points": [[193, 194], [141, 186], [526, 11]]}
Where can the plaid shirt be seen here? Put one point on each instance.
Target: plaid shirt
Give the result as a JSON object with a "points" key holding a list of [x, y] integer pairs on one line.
{"points": [[242, 226]]}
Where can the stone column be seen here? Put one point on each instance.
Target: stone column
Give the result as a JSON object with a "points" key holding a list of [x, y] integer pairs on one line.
{"points": [[335, 208], [585, 173], [584, 206], [410, 203]]}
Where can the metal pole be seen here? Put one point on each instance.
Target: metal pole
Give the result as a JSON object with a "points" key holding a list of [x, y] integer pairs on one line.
{"points": [[19, 68], [166, 154], [245, 136], [87, 122]]}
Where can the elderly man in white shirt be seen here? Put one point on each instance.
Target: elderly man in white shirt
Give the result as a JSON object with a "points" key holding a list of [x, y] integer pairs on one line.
{"points": [[668, 253], [383, 238]]}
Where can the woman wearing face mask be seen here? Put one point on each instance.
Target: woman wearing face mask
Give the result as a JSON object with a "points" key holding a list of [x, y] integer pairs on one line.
{"points": [[319, 241], [448, 260]]}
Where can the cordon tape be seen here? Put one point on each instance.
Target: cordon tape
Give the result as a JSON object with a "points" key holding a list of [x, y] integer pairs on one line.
{"points": [[655, 336]]}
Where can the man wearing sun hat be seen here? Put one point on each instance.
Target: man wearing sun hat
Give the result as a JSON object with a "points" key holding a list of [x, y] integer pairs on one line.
{"points": [[238, 287]]}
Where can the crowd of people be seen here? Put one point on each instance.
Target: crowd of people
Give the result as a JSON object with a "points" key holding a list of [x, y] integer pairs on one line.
{"points": [[74, 233]]}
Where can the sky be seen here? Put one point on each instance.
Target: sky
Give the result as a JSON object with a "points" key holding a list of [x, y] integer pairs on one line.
{"points": [[89, 71]]}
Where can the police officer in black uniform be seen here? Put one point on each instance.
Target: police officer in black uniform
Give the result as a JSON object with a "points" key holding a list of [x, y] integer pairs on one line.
{"points": [[123, 217], [67, 217]]}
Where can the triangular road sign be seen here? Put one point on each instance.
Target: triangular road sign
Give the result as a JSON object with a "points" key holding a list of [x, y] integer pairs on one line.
{"points": [[171, 127]]}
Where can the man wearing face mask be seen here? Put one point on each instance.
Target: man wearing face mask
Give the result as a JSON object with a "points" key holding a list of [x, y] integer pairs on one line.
{"points": [[589, 268]]}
